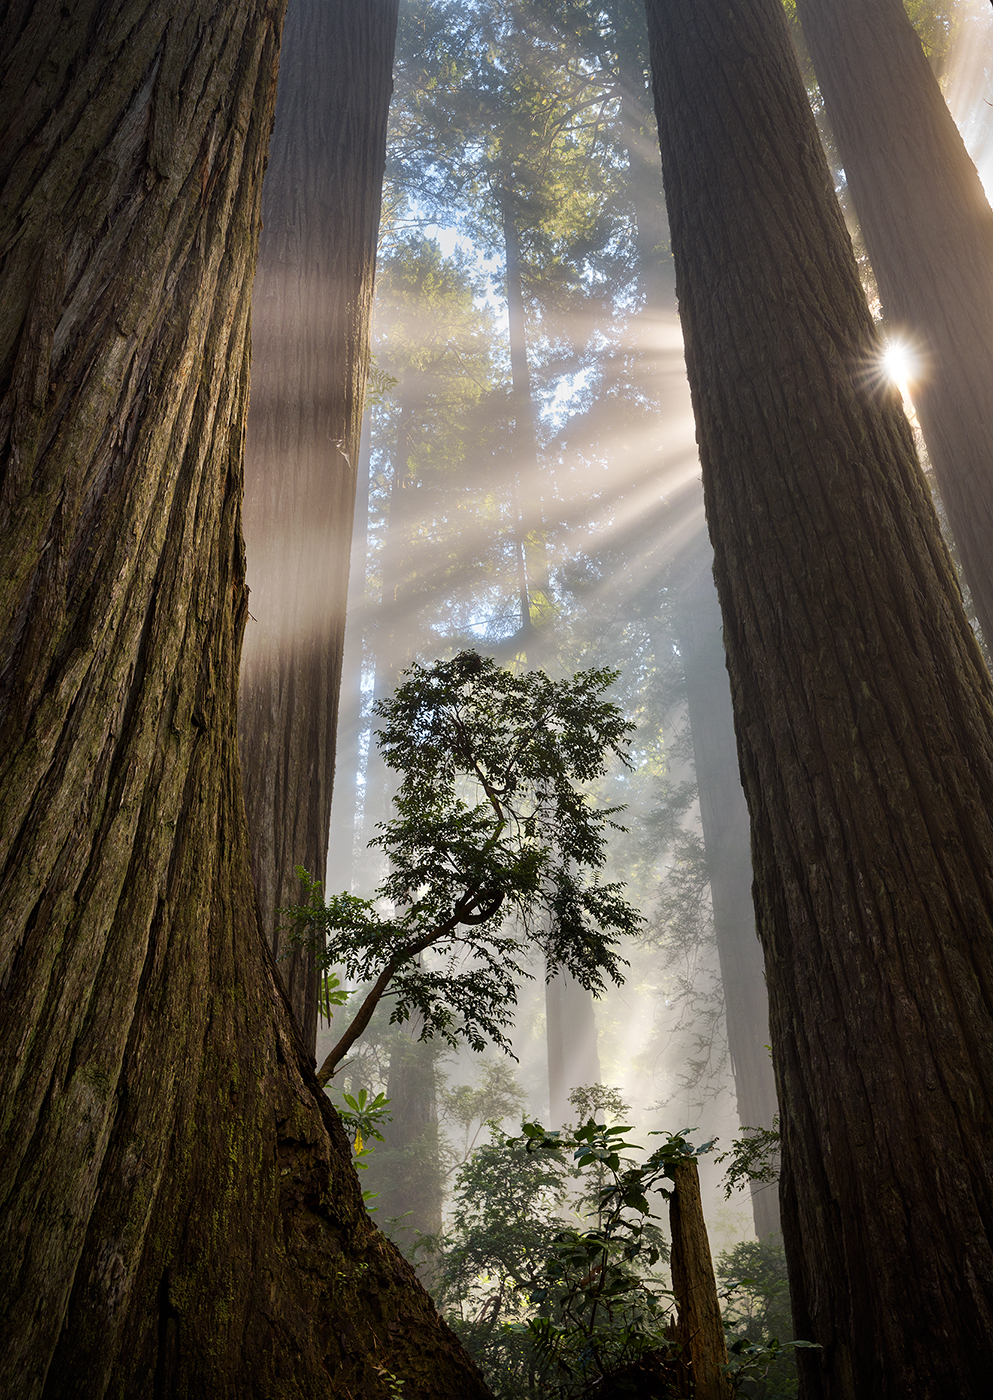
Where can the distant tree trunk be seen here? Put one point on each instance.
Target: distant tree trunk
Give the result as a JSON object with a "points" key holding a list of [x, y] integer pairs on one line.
{"points": [[571, 1037], [864, 716], [639, 137], [928, 228], [406, 1170], [532, 565], [344, 806], [724, 818], [392, 637], [311, 306], [177, 1207]]}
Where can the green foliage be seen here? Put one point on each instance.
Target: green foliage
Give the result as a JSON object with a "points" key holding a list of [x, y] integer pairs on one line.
{"points": [[362, 1114], [754, 1156], [494, 852], [379, 384], [468, 1109], [330, 992], [499, 113], [598, 1101], [752, 1277], [556, 1304]]}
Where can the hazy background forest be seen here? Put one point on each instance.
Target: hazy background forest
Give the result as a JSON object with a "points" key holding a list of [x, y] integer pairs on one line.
{"points": [[529, 487], [190, 209]]}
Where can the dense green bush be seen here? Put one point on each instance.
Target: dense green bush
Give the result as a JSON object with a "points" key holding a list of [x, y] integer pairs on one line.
{"points": [[757, 1318]]}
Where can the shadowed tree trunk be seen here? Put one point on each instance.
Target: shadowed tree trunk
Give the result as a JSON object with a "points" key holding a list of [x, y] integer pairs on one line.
{"points": [[724, 816], [724, 819], [928, 228], [864, 717], [178, 1210], [311, 307]]}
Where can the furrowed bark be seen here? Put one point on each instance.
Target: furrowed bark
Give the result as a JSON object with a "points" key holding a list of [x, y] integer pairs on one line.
{"points": [[177, 1203], [864, 716], [311, 309], [928, 228]]}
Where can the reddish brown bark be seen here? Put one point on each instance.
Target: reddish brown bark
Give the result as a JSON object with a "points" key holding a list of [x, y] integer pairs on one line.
{"points": [[928, 228], [864, 716], [179, 1213], [310, 338], [699, 1329]]}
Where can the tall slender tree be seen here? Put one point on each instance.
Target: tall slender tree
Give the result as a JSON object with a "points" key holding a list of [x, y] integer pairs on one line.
{"points": [[864, 716], [724, 820], [928, 229], [179, 1214], [311, 308]]}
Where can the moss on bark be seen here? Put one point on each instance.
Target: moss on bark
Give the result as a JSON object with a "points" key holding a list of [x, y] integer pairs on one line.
{"points": [[179, 1210]]}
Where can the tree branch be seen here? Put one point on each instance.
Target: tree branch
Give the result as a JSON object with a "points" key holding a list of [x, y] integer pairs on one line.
{"points": [[461, 914]]}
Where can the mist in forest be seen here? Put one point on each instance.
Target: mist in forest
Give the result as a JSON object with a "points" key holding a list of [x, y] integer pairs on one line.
{"points": [[529, 488]]}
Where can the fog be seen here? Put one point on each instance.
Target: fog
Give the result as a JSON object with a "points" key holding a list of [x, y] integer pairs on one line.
{"points": [[569, 547]]}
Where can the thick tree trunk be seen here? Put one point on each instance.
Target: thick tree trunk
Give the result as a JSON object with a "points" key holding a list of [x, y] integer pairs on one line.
{"points": [[724, 815], [179, 1214], [724, 818], [928, 228], [311, 306], [864, 716]]}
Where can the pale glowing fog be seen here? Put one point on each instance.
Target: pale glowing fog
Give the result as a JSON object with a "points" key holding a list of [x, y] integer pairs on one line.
{"points": [[587, 525]]}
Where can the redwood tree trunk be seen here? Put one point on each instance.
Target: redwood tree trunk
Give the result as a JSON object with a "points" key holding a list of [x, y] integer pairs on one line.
{"points": [[928, 228], [724, 819], [864, 717], [724, 815], [178, 1211], [311, 307]]}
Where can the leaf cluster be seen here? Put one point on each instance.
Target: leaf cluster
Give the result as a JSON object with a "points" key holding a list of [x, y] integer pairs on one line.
{"points": [[494, 852], [757, 1314], [753, 1156], [556, 1305]]}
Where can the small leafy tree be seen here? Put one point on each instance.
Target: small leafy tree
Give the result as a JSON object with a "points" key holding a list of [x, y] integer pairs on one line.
{"points": [[548, 1271], [494, 851], [601, 1313], [468, 1109]]}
